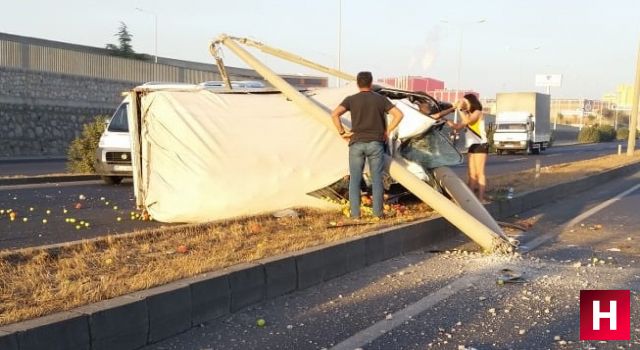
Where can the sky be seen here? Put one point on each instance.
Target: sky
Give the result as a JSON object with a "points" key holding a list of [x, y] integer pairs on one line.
{"points": [[593, 44]]}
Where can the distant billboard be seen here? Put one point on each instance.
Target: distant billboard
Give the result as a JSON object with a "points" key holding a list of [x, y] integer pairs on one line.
{"points": [[548, 80]]}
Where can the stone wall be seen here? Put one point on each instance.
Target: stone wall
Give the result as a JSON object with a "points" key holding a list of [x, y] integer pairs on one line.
{"points": [[34, 131], [41, 113]]}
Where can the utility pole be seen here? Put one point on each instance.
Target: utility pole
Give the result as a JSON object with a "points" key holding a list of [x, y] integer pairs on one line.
{"points": [[458, 83], [633, 118], [155, 31], [339, 40]]}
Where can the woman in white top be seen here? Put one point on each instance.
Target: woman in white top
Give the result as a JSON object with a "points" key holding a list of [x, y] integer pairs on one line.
{"points": [[476, 141]]}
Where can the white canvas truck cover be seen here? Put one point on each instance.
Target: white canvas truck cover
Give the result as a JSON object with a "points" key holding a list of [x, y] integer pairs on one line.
{"points": [[209, 156]]}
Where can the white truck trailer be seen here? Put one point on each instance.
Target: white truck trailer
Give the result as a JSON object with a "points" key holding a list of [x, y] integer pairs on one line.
{"points": [[522, 122]]}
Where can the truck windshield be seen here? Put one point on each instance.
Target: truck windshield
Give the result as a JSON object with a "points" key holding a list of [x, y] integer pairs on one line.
{"points": [[511, 126], [119, 121]]}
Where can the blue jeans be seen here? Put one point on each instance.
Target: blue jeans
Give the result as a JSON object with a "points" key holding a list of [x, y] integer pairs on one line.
{"points": [[373, 152]]}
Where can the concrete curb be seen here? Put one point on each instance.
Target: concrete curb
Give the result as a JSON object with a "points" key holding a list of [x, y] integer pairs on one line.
{"points": [[9, 181], [145, 317]]}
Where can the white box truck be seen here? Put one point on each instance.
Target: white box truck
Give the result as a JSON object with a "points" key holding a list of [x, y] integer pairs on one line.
{"points": [[522, 122]]}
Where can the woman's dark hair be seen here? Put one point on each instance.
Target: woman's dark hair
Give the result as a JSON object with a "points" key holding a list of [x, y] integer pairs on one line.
{"points": [[474, 103]]}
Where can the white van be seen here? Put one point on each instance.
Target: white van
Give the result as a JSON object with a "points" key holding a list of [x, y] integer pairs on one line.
{"points": [[113, 156]]}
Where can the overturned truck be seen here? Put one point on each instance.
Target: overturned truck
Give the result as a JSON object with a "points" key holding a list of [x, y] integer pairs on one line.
{"points": [[200, 154]]}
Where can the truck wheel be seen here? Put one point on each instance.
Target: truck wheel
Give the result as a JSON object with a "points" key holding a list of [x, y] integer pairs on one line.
{"points": [[112, 180]]}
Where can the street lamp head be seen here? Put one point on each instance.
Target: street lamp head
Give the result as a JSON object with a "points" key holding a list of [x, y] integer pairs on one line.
{"points": [[481, 21]]}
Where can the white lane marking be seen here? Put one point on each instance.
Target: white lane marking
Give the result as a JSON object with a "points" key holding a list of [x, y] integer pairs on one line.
{"points": [[49, 185], [554, 155], [516, 160], [601, 206], [529, 246], [399, 318]]}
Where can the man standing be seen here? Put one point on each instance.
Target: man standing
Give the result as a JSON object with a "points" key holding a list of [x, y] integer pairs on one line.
{"points": [[366, 139]]}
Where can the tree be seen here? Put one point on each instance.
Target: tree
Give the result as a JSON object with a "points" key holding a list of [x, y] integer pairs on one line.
{"points": [[124, 38], [125, 49]]}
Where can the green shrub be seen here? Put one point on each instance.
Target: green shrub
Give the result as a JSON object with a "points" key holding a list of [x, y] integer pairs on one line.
{"points": [[589, 134], [622, 134], [607, 133], [82, 151]]}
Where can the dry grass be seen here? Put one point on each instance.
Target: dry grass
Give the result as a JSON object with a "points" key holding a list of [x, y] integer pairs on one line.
{"points": [[37, 282]]}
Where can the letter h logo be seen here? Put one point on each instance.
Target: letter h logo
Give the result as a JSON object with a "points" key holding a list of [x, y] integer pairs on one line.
{"points": [[605, 315]]}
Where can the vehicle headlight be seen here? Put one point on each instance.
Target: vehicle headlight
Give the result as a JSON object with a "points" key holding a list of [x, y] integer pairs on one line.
{"points": [[523, 142]]}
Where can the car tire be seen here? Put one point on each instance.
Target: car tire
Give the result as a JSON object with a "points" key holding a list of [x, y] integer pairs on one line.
{"points": [[112, 180]]}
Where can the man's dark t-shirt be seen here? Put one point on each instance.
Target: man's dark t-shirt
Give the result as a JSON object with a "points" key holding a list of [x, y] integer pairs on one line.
{"points": [[368, 116]]}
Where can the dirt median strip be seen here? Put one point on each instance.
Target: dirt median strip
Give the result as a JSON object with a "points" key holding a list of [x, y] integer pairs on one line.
{"points": [[29, 180]]}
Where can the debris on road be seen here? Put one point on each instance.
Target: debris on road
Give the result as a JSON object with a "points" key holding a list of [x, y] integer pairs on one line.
{"points": [[509, 276]]}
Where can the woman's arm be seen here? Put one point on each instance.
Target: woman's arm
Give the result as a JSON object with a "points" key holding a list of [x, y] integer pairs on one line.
{"points": [[443, 113], [465, 119]]}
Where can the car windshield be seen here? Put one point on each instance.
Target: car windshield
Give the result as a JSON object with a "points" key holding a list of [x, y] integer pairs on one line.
{"points": [[431, 150], [119, 121], [512, 126]]}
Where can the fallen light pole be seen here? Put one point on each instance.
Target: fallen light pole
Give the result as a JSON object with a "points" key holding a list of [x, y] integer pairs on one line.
{"points": [[490, 239]]}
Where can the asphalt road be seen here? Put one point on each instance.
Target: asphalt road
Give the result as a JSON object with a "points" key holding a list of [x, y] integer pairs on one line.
{"points": [[497, 165], [450, 299], [33, 201], [102, 217]]}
